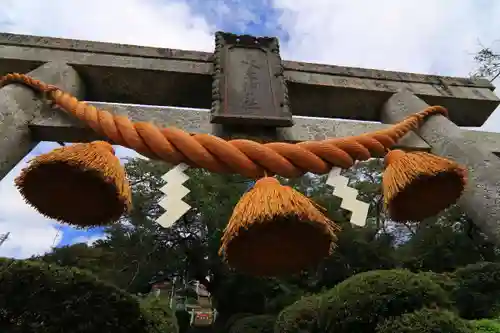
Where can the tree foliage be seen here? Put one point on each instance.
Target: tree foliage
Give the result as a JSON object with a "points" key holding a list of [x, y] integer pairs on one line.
{"points": [[301, 316], [137, 250], [254, 324], [489, 64], [426, 321], [485, 326], [38, 297], [359, 303], [477, 291]]}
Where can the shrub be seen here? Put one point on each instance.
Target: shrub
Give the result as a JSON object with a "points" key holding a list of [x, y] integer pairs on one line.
{"points": [[477, 291], [254, 324], [42, 298], [359, 303], [159, 315], [300, 317], [183, 320], [281, 301], [426, 321], [486, 326], [444, 280], [234, 318]]}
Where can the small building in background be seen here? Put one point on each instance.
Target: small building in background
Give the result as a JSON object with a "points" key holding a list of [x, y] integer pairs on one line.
{"points": [[192, 297]]}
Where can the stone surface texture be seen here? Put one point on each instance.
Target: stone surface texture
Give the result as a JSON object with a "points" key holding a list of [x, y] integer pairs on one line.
{"points": [[57, 126], [481, 199], [153, 76], [20, 105]]}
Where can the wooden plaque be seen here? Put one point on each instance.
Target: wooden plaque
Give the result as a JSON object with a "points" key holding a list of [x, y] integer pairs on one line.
{"points": [[248, 84]]}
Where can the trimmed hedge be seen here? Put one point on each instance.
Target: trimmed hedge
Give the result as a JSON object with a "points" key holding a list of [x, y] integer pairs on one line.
{"points": [[426, 321], [444, 280], [359, 303], [486, 326], [234, 318], [159, 315], [477, 291], [300, 317], [183, 320], [42, 298], [254, 324]]}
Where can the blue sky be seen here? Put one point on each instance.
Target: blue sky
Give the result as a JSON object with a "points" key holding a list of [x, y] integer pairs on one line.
{"points": [[424, 36]]}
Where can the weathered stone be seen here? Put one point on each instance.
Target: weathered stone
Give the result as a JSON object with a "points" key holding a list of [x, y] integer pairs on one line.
{"points": [[248, 84], [197, 56], [58, 126], [152, 76], [19, 106], [481, 199]]}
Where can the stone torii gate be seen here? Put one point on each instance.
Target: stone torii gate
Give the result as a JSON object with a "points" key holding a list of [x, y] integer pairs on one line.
{"points": [[251, 93]]}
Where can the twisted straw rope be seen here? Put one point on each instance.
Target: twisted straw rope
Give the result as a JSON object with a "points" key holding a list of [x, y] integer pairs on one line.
{"points": [[248, 158]]}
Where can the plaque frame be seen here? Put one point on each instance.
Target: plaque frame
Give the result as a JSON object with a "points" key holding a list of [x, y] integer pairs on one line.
{"points": [[272, 110]]}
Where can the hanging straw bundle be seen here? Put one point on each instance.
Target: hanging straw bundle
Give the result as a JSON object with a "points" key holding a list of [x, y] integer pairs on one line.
{"points": [[82, 184], [418, 185], [274, 230]]}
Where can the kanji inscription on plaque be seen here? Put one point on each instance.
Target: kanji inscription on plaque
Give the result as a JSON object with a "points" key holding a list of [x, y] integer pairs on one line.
{"points": [[249, 87]]}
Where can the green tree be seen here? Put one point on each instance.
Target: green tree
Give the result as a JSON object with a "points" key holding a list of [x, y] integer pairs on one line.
{"points": [[358, 249], [426, 321], [361, 302], [477, 290], [97, 260], [38, 297], [254, 324], [302, 316], [489, 64], [446, 242], [137, 249], [485, 326]]}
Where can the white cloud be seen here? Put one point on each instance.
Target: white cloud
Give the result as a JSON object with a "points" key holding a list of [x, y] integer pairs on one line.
{"points": [[386, 34], [89, 240], [424, 36], [144, 22], [30, 232], [124, 153]]}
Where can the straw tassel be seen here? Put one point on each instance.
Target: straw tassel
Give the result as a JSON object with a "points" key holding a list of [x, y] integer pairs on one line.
{"points": [[419, 185], [274, 230], [83, 185]]}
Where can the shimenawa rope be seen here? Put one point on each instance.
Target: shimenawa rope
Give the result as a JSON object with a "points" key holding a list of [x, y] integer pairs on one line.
{"points": [[245, 157]]}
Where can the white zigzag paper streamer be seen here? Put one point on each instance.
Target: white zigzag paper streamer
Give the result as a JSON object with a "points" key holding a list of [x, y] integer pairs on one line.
{"points": [[174, 192], [359, 209]]}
